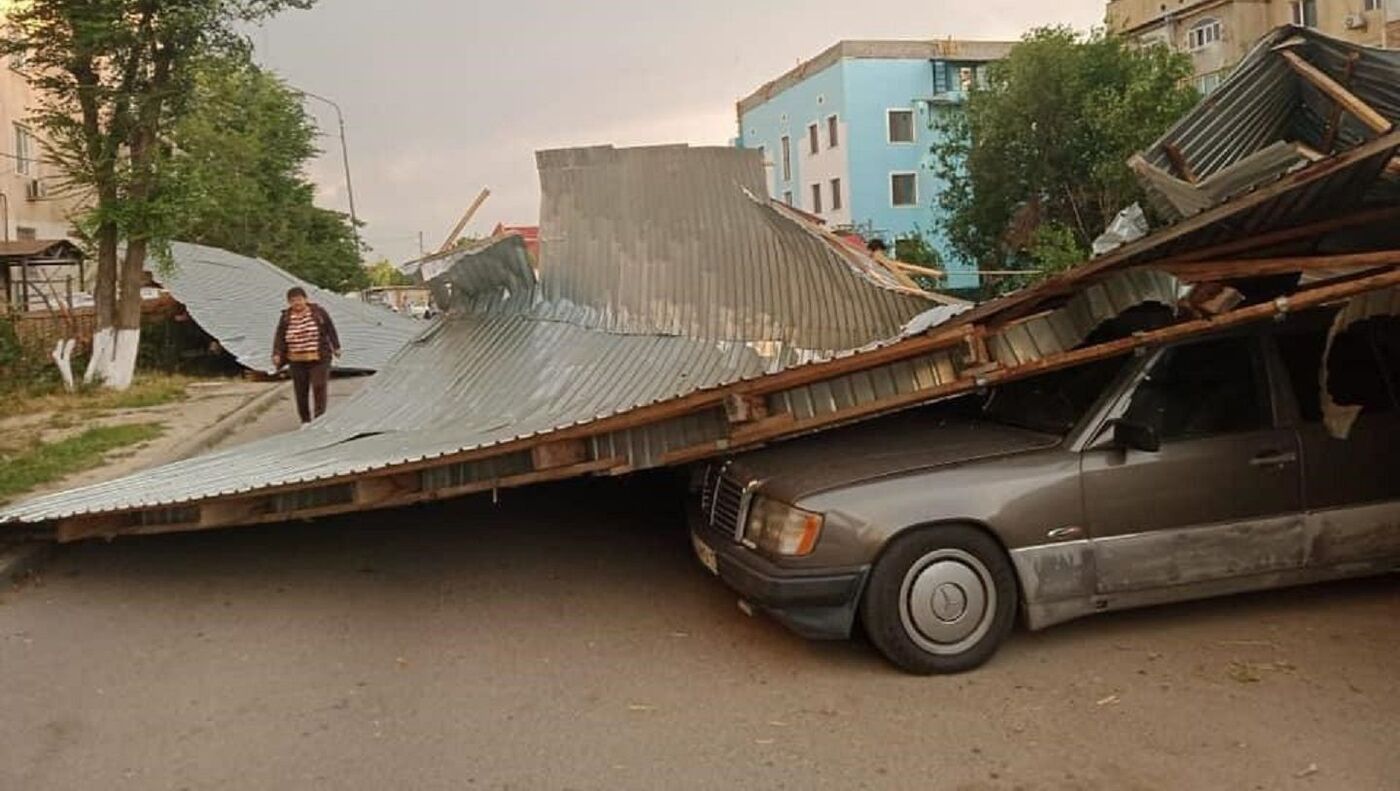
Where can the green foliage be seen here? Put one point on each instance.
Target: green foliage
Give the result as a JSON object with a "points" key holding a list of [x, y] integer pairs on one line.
{"points": [[241, 149], [113, 78], [915, 249], [1055, 247], [1046, 145], [382, 273], [42, 463], [23, 369]]}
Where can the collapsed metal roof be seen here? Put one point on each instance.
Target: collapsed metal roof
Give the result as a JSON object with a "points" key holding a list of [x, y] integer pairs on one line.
{"points": [[675, 315], [662, 274], [1269, 117], [237, 300]]}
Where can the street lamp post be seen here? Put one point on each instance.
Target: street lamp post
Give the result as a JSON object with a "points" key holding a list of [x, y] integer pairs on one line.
{"points": [[345, 158]]}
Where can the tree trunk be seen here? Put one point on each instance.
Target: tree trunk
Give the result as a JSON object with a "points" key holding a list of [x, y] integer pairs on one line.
{"points": [[128, 319], [104, 296]]}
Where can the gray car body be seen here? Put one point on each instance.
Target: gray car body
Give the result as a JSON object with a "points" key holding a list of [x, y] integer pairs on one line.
{"points": [[1091, 526]]}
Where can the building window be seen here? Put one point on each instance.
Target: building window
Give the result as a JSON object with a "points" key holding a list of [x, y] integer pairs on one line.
{"points": [[1305, 13], [966, 78], [1206, 83], [24, 151], [787, 197], [836, 194], [25, 233], [833, 132], [787, 159], [812, 142], [901, 125], [1203, 34], [904, 189], [816, 199], [1372, 5]]}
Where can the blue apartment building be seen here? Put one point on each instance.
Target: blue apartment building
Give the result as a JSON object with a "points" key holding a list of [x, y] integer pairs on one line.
{"points": [[847, 135]]}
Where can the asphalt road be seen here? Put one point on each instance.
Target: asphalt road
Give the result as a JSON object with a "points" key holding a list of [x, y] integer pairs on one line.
{"points": [[564, 638]]}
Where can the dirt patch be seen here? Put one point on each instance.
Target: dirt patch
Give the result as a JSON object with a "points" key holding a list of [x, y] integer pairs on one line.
{"points": [[205, 403]]}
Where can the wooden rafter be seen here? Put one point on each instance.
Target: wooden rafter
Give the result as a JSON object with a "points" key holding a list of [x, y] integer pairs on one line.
{"points": [[1338, 93], [1214, 271]]}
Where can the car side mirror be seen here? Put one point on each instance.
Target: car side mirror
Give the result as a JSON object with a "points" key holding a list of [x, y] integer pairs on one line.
{"points": [[1130, 434]]}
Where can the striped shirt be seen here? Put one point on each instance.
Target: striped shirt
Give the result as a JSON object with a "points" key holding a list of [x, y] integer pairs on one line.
{"points": [[303, 337]]}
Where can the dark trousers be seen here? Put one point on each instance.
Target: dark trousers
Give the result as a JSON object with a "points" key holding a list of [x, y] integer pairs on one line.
{"points": [[309, 381]]}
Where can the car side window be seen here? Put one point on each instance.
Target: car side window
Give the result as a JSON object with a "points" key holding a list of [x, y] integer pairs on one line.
{"points": [[1362, 370], [1203, 389]]}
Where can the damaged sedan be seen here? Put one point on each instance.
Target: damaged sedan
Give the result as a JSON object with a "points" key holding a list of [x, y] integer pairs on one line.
{"points": [[1179, 472]]}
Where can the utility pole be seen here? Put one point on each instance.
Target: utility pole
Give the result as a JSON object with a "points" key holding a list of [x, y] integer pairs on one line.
{"points": [[345, 159]]}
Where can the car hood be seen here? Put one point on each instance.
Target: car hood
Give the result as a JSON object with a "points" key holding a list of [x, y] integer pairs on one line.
{"points": [[890, 446]]}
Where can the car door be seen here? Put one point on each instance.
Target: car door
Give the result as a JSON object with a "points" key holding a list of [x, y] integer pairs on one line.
{"points": [[1351, 484], [1221, 496]]}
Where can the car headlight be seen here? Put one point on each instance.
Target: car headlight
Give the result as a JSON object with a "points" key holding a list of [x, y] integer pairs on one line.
{"points": [[781, 529]]}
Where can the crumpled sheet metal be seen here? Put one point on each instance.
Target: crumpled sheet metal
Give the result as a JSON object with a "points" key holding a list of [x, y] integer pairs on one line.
{"points": [[679, 305], [1065, 328], [238, 300], [1339, 418], [1264, 101]]}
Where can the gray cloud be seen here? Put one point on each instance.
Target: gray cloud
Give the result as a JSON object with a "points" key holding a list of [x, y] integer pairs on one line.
{"points": [[444, 97]]}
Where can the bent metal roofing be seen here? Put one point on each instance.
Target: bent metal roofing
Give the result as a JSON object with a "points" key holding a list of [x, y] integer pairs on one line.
{"points": [[661, 274], [675, 316], [238, 300]]}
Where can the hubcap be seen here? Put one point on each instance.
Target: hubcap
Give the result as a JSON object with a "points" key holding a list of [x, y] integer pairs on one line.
{"points": [[947, 601]]}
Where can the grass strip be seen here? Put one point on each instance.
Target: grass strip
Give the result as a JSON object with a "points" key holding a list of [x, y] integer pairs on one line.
{"points": [[41, 464]]}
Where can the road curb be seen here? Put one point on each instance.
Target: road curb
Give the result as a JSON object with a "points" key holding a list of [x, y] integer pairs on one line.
{"points": [[17, 560], [244, 414]]}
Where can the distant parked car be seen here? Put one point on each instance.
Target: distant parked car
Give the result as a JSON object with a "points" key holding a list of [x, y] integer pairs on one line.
{"points": [[1189, 471]]}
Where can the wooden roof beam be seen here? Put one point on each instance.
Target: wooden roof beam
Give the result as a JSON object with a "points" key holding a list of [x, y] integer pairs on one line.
{"points": [[1349, 101]]}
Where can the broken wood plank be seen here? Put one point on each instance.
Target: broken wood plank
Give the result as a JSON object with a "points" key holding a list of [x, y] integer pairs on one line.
{"points": [[1214, 271], [1334, 90], [1183, 168], [1285, 235]]}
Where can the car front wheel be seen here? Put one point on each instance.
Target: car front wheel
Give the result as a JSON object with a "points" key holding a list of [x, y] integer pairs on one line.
{"points": [[940, 599]]}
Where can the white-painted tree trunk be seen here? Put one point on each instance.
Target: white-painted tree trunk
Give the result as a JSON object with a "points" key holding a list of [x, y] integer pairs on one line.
{"points": [[100, 363], [113, 360], [63, 358], [124, 359]]}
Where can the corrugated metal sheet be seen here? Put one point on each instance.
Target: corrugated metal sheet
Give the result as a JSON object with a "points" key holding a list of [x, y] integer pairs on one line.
{"points": [[649, 292], [238, 300], [1265, 101]]}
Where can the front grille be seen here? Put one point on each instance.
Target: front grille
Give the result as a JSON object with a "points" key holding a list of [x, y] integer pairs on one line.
{"points": [[724, 502]]}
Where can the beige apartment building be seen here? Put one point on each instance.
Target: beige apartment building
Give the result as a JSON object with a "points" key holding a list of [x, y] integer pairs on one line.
{"points": [[1218, 33], [30, 206]]}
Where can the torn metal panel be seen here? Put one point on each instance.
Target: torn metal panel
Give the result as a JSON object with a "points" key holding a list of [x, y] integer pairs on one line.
{"points": [[1339, 418], [1254, 120], [1066, 328], [238, 300], [625, 249]]}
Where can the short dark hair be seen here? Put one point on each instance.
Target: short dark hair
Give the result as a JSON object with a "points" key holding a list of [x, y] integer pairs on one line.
{"points": [[296, 291], [877, 245]]}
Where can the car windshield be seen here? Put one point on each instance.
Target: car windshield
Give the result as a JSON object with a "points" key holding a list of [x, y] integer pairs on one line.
{"points": [[1054, 402]]}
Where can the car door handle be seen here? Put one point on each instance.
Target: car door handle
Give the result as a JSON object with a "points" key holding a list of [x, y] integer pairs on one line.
{"points": [[1274, 459]]}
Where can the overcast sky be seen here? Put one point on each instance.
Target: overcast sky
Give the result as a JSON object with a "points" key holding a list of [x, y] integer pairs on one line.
{"points": [[443, 97]]}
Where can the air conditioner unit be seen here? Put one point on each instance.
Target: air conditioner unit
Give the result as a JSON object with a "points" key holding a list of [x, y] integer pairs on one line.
{"points": [[34, 189], [1355, 22]]}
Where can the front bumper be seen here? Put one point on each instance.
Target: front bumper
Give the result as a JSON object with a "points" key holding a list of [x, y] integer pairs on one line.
{"points": [[818, 604]]}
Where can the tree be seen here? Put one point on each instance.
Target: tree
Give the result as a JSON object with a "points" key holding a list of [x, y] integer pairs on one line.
{"points": [[1035, 163], [114, 77], [239, 159], [382, 273]]}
